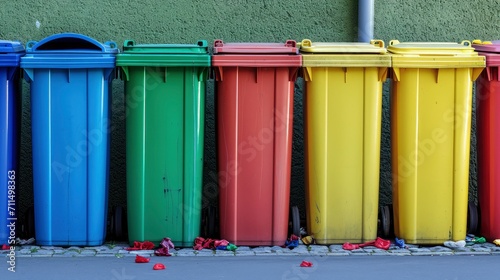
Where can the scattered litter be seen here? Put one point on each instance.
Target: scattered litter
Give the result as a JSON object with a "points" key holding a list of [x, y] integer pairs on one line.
{"points": [[209, 243], [159, 266], [379, 243], [306, 264], [455, 244], [307, 240], [20, 241], [400, 243], [292, 242], [471, 239], [165, 245], [496, 242], [141, 259], [146, 245], [5, 247]]}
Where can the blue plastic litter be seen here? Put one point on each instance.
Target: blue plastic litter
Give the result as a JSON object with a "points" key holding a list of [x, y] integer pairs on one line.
{"points": [[400, 243]]}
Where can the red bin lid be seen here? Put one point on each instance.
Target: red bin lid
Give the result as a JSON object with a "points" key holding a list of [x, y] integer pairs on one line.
{"points": [[289, 47]]}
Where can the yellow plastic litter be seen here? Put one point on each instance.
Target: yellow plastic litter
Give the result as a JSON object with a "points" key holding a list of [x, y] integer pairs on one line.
{"points": [[496, 242], [431, 97], [343, 106]]}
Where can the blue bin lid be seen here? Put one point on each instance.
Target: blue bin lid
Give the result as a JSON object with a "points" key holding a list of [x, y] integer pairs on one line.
{"points": [[69, 50], [10, 53]]}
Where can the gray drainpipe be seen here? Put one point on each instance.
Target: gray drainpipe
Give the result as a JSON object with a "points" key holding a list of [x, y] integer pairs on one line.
{"points": [[366, 13]]}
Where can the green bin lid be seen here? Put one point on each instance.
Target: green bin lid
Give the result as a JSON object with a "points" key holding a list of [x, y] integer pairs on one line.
{"points": [[164, 54]]}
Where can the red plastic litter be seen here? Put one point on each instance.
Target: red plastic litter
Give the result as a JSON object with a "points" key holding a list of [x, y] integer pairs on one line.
{"points": [[158, 266], [166, 244], [141, 259], [379, 243], [306, 264], [146, 245], [5, 247]]}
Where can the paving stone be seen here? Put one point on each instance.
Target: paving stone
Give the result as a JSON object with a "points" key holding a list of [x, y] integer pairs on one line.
{"points": [[71, 253], [105, 255], [25, 251], [335, 247], [440, 249], [88, 252], [278, 249], [124, 252], [140, 252], [185, 252], [223, 253], [243, 248], [204, 252], [97, 248], [413, 249], [318, 249], [424, 253], [43, 252], [468, 253], [481, 249], [262, 250], [402, 252], [51, 248], [23, 256], [245, 253], [338, 253], [382, 253]]}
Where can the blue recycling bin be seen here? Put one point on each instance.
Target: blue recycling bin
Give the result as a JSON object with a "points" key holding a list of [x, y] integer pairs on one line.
{"points": [[70, 76], [10, 116]]}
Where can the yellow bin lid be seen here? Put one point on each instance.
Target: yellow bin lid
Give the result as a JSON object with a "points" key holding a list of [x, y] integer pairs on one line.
{"points": [[342, 54], [374, 47], [434, 55]]}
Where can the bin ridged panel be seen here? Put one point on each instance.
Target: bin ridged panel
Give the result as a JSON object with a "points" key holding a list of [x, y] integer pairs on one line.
{"points": [[430, 130], [70, 110], [343, 119], [488, 153], [165, 132], [255, 111], [10, 110]]}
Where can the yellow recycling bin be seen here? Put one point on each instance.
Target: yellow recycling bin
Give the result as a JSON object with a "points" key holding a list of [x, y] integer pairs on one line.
{"points": [[342, 109], [431, 98]]}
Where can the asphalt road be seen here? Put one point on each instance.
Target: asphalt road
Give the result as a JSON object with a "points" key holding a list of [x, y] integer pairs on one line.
{"points": [[259, 267]]}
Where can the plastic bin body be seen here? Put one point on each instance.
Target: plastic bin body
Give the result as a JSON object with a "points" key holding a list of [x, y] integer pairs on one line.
{"points": [[10, 117], [69, 76], [431, 98], [254, 97], [488, 137], [343, 115], [165, 107]]}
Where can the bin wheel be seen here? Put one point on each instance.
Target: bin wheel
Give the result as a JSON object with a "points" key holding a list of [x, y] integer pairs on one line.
{"points": [[472, 218], [295, 221], [386, 220], [117, 223], [29, 224]]}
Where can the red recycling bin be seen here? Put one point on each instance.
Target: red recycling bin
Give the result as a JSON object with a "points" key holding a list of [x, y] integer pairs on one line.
{"points": [[488, 137], [254, 99]]}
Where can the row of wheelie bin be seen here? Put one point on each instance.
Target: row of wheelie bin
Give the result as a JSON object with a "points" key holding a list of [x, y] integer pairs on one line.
{"points": [[431, 100]]}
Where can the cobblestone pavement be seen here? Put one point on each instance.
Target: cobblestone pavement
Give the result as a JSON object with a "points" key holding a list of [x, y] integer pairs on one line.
{"points": [[119, 251]]}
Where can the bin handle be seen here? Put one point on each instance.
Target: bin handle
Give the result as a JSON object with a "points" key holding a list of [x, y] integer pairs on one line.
{"points": [[30, 44], [393, 42], [218, 43], [466, 43], [129, 43], [306, 43], [290, 43], [377, 43], [111, 44]]}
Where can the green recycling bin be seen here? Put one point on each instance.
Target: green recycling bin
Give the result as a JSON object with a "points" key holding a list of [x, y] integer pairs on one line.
{"points": [[165, 101]]}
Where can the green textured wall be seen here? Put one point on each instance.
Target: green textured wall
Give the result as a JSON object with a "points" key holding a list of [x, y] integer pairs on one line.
{"points": [[167, 21]]}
